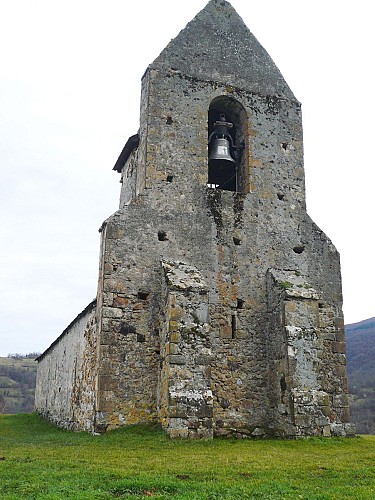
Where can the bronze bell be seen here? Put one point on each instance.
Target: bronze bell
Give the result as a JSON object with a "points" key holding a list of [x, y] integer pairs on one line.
{"points": [[222, 171], [220, 150]]}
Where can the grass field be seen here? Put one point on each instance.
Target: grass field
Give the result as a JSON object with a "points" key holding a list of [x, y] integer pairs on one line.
{"points": [[39, 461]]}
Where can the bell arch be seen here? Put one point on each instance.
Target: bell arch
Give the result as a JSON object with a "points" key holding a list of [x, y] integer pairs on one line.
{"points": [[227, 145]]}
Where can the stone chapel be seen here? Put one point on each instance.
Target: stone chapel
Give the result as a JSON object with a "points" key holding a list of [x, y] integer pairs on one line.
{"points": [[219, 304]]}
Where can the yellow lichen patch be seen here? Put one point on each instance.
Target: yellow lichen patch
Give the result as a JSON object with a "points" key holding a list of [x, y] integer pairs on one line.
{"points": [[175, 337]]}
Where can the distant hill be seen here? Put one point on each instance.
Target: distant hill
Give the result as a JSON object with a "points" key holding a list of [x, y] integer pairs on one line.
{"points": [[360, 348], [17, 383]]}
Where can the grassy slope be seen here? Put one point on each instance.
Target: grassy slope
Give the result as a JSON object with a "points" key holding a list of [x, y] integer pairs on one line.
{"points": [[37, 460]]}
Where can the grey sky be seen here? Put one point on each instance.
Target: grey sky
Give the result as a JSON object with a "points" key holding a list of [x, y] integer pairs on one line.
{"points": [[69, 98]]}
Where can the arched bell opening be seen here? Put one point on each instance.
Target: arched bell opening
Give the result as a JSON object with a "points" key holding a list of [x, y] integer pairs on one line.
{"points": [[227, 151]]}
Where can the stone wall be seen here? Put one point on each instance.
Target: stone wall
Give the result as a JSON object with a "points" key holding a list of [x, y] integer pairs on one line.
{"points": [[65, 386]]}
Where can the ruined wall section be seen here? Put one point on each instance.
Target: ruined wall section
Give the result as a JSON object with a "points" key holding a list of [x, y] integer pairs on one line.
{"points": [[65, 388]]}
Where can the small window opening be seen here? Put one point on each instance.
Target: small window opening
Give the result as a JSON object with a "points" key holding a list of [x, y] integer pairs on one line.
{"points": [[283, 385], [281, 196], [143, 295], [298, 249], [169, 120], [233, 326], [240, 303], [162, 236], [126, 329], [169, 178], [236, 241]]}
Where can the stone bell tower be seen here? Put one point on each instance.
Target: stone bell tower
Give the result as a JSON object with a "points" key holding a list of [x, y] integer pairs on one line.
{"points": [[219, 307]]}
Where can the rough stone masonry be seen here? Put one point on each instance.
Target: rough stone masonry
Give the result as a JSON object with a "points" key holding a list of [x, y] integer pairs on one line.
{"points": [[219, 305]]}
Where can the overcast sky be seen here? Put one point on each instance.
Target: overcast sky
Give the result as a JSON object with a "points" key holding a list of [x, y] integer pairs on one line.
{"points": [[70, 76]]}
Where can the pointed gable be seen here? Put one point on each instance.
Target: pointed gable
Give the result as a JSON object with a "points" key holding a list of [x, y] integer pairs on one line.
{"points": [[217, 46]]}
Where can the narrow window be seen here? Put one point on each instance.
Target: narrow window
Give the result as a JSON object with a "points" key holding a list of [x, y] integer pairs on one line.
{"points": [[233, 326], [162, 236], [240, 303]]}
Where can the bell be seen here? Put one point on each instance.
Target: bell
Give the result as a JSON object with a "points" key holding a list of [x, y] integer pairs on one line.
{"points": [[222, 168], [220, 150]]}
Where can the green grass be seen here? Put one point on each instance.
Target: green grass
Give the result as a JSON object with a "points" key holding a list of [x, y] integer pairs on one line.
{"points": [[40, 461]]}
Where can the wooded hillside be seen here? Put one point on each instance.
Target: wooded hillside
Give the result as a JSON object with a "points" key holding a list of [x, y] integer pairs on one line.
{"points": [[17, 383], [360, 348]]}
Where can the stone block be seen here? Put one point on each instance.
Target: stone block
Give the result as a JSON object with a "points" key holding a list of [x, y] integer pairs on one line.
{"points": [[339, 347], [203, 360], [174, 349], [200, 433], [110, 336], [328, 336], [107, 383], [343, 414], [177, 411], [322, 398], [177, 427], [114, 231], [326, 432], [302, 420], [225, 332], [176, 359], [173, 326], [105, 401], [182, 433], [112, 312], [202, 410], [120, 301], [115, 285], [340, 401], [175, 337], [322, 421], [326, 410]]}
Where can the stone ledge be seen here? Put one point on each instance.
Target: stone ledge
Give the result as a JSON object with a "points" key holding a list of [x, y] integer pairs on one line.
{"points": [[182, 277], [293, 284]]}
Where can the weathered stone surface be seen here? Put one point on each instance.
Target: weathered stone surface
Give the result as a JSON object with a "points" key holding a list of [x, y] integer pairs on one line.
{"points": [[219, 312], [65, 388]]}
